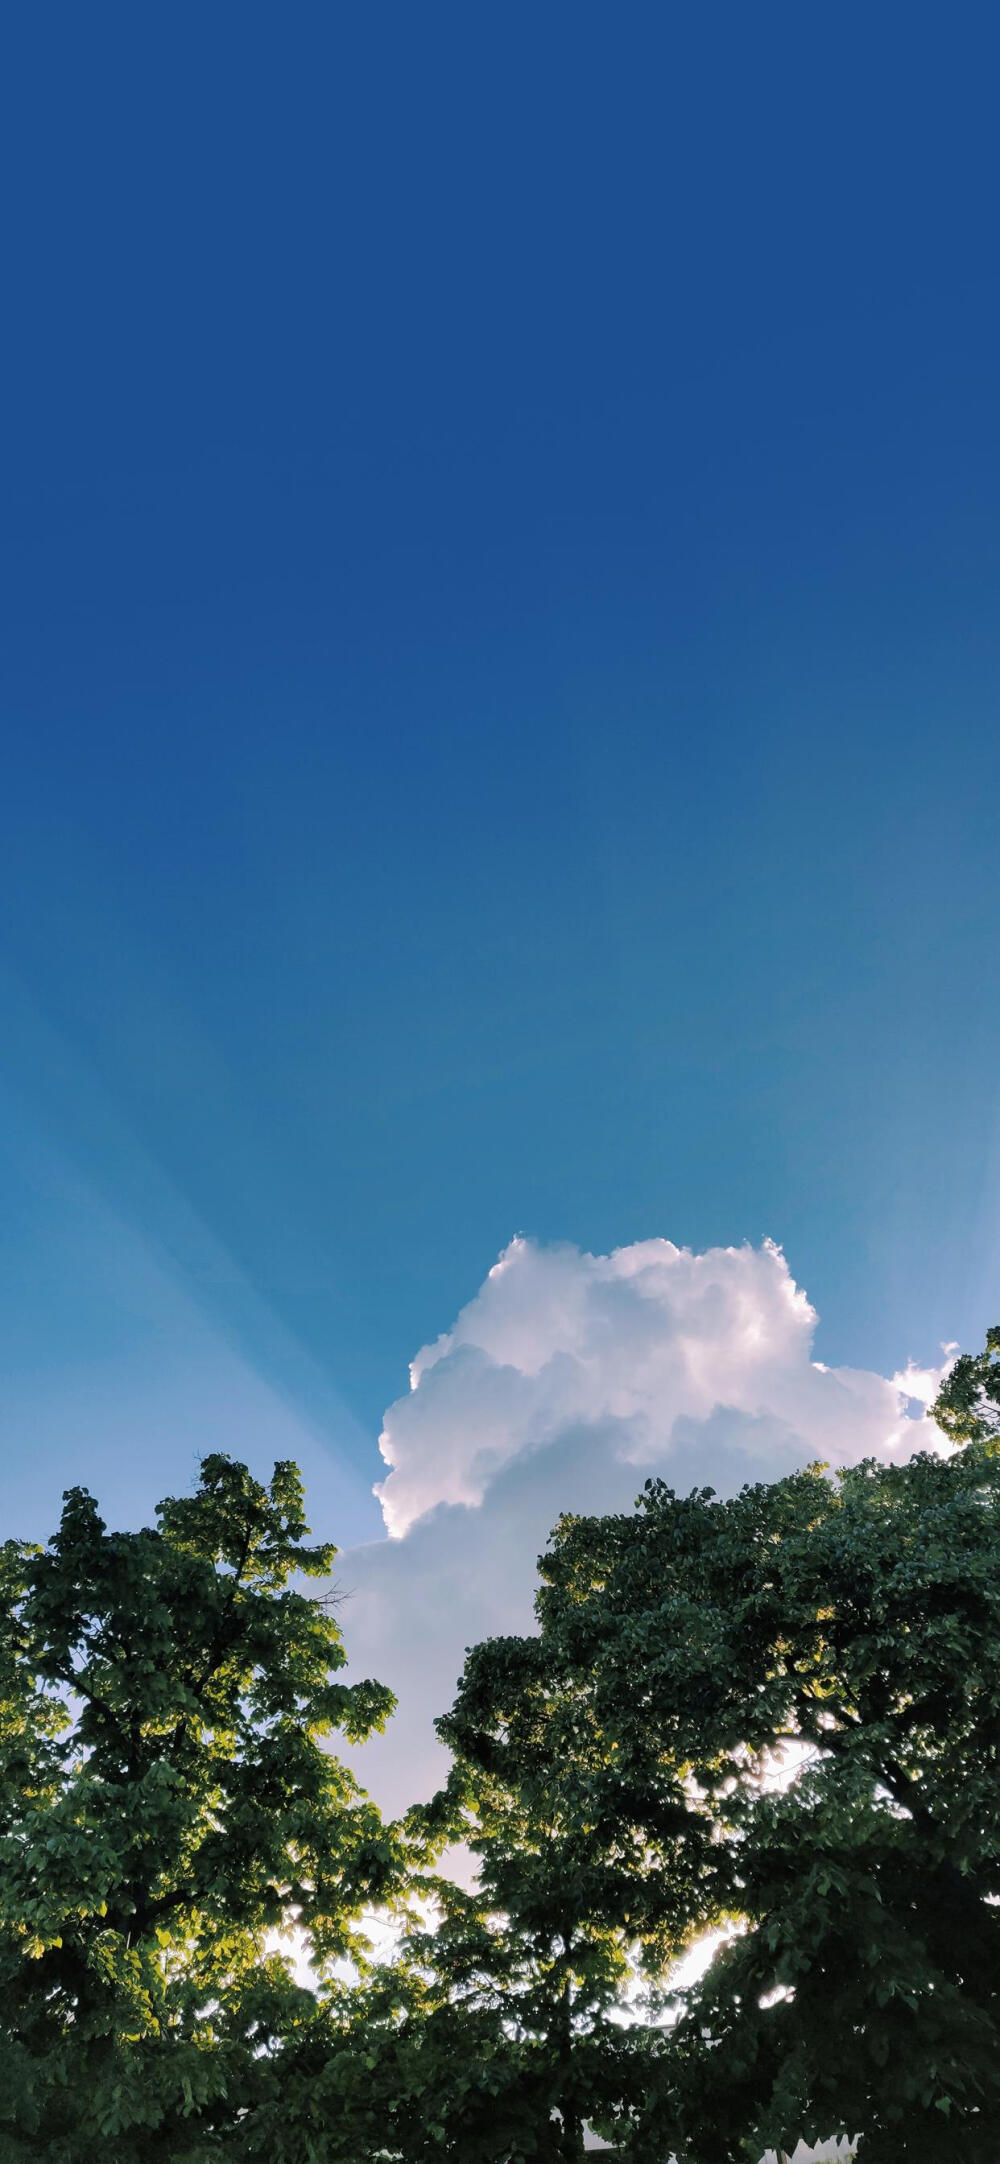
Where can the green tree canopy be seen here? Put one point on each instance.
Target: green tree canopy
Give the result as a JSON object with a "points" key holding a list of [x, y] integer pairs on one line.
{"points": [[168, 1800], [779, 1717], [525, 1967], [967, 1406], [775, 1718]]}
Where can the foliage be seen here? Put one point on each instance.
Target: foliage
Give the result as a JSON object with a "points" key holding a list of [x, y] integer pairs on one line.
{"points": [[819, 1665], [168, 1802], [967, 1406], [777, 1716], [525, 1967]]}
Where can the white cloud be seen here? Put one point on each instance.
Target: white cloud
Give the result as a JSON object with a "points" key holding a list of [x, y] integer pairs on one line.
{"points": [[565, 1382]]}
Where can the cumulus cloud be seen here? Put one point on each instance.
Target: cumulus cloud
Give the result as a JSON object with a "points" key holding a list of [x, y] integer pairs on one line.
{"points": [[565, 1382]]}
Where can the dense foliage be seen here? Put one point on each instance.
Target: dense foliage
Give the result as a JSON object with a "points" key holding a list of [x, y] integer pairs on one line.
{"points": [[777, 1717], [806, 1680], [774, 1718], [168, 1803]]}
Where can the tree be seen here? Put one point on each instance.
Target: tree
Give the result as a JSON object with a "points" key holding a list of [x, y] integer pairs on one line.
{"points": [[167, 1803], [520, 1977], [779, 1717], [967, 1406], [775, 1717]]}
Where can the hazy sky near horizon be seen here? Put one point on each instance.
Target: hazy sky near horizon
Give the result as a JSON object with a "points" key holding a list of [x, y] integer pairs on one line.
{"points": [[499, 685]]}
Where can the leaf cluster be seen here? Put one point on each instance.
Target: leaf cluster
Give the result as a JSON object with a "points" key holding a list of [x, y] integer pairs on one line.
{"points": [[169, 1805], [770, 1722]]}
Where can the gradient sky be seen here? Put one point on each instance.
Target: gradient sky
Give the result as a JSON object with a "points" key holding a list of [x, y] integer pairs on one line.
{"points": [[499, 680]]}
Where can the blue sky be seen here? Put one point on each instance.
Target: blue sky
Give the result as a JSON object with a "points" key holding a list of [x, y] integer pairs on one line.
{"points": [[500, 681]]}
